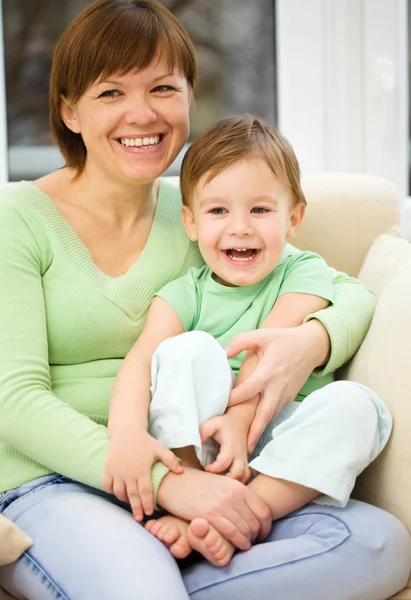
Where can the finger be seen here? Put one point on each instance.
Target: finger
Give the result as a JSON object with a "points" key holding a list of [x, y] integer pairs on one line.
{"points": [[263, 416], [251, 340], [247, 475], [119, 490], [237, 469], [170, 460], [230, 532], [208, 429], [262, 513], [134, 499], [249, 388], [221, 463], [247, 525], [145, 489], [107, 483]]}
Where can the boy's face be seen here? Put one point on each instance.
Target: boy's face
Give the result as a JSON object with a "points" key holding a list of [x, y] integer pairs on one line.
{"points": [[241, 219]]}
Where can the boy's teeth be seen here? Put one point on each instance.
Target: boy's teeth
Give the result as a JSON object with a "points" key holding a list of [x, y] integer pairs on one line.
{"points": [[146, 141], [252, 254]]}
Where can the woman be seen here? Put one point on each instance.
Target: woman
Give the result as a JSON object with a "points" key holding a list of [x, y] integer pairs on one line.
{"points": [[82, 252]]}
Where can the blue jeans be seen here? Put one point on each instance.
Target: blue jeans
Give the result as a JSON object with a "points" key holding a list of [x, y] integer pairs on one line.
{"points": [[87, 547]]}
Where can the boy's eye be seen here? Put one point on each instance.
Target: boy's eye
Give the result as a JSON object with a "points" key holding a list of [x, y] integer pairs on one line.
{"points": [[217, 211], [110, 94], [259, 210]]}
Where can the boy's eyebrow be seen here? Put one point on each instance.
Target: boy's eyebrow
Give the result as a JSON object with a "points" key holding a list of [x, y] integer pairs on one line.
{"points": [[263, 198]]}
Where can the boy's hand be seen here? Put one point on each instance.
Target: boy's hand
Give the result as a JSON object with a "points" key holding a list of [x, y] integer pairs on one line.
{"points": [[232, 437], [127, 472]]}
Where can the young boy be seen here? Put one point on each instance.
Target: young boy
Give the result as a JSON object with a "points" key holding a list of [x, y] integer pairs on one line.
{"points": [[242, 197]]}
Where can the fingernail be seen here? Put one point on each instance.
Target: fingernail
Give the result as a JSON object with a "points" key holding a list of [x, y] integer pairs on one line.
{"points": [[227, 349], [252, 448]]}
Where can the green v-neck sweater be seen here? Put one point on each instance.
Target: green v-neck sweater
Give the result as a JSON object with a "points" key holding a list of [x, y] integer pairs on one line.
{"points": [[65, 328]]}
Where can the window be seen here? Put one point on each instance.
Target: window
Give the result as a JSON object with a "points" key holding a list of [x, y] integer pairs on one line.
{"points": [[235, 42]]}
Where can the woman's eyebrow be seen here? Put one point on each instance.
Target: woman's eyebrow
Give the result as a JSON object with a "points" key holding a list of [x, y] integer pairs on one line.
{"points": [[118, 82]]}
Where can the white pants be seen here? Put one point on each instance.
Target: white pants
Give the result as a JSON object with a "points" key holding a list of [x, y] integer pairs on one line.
{"points": [[323, 442]]}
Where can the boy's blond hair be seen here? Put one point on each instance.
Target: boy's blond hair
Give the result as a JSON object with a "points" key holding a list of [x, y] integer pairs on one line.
{"points": [[231, 139]]}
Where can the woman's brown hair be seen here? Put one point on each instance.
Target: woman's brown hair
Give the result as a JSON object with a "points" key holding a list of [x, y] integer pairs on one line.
{"points": [[112, 37], [231, 139]]}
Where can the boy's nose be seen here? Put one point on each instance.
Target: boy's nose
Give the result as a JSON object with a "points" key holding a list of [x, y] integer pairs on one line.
{"points": [[240, 226]]}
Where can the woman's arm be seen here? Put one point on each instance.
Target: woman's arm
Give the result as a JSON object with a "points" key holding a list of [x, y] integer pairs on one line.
{"points": [[32, 419]]}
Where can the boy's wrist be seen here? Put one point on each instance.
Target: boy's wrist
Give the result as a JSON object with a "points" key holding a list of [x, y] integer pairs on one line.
{"points": [[121, 430]]}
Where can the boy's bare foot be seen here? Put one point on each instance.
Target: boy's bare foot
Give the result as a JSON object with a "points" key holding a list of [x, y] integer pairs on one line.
{"points": [[172, 532], [209, 542], [181, 537]]}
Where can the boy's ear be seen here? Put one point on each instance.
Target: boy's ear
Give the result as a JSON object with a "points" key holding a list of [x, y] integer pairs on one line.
{"points": [[69, 116], [188, 222], [296, 218]]}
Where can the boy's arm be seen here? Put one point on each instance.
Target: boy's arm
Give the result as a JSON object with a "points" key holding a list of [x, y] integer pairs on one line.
{"points": [[290, 310], [130, 398], [132, 450], [232, 430]]}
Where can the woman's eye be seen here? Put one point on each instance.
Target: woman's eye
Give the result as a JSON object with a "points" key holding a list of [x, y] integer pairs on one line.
{"points": [[163, 89], [260, 210], [110, 94], [218, 211]]}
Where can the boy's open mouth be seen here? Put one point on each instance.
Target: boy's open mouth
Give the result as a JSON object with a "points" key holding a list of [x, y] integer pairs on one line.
{"points": [[242, 255]]}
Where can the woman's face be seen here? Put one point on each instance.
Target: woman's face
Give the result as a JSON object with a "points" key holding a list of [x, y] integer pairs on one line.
{"points": [[133, 125]]}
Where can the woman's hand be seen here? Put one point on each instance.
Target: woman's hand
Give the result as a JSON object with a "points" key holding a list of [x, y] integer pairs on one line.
{"points": [[287, 357], [228, 505]]}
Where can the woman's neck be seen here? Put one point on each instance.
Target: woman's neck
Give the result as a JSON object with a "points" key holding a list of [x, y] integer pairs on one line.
{"points": [[113, 199]]}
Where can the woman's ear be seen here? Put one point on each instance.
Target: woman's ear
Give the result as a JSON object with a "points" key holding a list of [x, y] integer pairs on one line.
{"points": [[296, 218], [189, 224], [69, 116]]}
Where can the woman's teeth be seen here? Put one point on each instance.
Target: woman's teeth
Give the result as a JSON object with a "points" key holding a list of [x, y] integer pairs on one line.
{"points": [[146, 141]]}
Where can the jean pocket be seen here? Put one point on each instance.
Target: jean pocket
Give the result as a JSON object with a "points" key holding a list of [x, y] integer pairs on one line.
{"points": [[9, 496]]}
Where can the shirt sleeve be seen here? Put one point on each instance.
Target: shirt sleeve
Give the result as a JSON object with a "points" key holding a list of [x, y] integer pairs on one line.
{"points": [[347, 320], [32, 419], [307, 273], [181, 294]]}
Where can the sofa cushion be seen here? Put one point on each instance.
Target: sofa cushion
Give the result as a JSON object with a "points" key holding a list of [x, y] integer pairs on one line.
{"points": [[382, 363], [345, 214]]}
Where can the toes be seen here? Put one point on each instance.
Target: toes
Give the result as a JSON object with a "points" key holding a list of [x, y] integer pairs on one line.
{"points": [[200, 527], [181, 548], [208, 541]]}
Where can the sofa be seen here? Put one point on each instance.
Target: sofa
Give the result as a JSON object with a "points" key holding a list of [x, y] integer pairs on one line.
{"points": [[352, 221]]}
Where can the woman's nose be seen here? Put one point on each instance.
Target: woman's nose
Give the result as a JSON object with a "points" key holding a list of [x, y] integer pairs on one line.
{"points": [[140, 113]]}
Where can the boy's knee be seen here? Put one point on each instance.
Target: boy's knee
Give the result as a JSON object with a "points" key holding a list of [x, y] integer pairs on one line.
{"points": [[191, 344], [349, 402]]}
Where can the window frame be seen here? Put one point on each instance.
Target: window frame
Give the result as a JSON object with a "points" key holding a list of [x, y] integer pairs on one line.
{"points": [[4, 166], [336, 66]]}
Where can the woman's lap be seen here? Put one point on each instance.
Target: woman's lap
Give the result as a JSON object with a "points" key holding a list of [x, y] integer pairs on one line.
{"points": [[87, 547], [317, 553]]}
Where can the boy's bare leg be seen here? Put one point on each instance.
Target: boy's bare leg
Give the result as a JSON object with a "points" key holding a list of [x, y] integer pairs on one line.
{"points": [[181, 537], [283, 497]]}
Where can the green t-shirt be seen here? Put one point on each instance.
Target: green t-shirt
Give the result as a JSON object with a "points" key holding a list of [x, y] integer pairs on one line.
{"points": [[202, 304]]}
